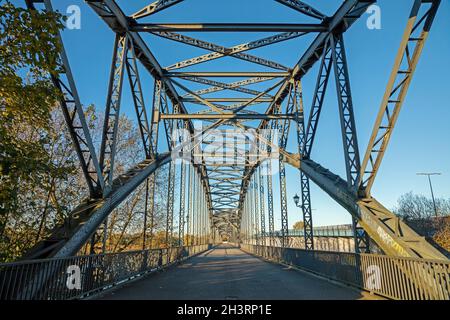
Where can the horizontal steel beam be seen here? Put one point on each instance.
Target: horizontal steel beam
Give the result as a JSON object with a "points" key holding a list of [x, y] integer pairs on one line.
{"points": [[229, 27], [226, 74], [230, 116], [259, 100]]}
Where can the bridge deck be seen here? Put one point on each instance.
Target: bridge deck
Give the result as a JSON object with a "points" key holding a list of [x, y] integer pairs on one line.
{"points": [[229, 273]]}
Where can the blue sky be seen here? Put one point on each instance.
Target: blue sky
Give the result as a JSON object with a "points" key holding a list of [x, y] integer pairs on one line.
{"points": [[420, 140]]}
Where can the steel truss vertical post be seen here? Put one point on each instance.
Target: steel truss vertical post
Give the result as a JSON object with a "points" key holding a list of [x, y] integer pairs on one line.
{"points": [[138, 98], [157, 102], [151, 205], [270, 192], [348, 128], [262, 206], [112, 110], [297, 100], [144, 231], [346, 114], [170, 202], [182, 204], [413, 41], [202, 215], [74, 117], [318, 99], [189, 210], [194, 212], [152, 147], [256, 206], [283, 131]]}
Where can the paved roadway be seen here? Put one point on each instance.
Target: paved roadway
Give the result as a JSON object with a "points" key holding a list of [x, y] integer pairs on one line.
{"points": [[229, 273]]}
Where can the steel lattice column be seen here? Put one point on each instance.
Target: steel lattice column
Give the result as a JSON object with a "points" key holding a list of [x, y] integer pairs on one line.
{"points": [[414, 37], [318, 99], [182, 204], [74, 117], [154, 130], [348, 128], [270, 197], [170, 202], [263, 209], [138, 99], [297, 100], [256, 206], [112, 111], [283, 131], [189, 209]]}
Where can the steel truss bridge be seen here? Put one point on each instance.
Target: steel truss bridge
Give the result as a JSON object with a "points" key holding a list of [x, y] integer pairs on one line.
{"points": [[234, 200]]}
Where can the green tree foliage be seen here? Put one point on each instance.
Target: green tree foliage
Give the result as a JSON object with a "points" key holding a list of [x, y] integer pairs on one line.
{"points": [[28, 54], [40, 178]]}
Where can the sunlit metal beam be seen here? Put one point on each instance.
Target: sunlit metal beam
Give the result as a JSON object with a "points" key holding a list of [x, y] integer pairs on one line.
{"points": [[229, 27]]}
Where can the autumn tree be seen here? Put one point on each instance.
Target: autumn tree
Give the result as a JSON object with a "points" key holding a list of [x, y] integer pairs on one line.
{"points": [[419, 212], [298, 225], [40, 177], [28, 54]]}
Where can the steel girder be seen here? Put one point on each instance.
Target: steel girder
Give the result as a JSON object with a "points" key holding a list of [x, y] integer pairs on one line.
{"points": [[258, 211], [239, 74], [229, 27], [221, 51], [73, 112], [336, 25], [304, 8], [393, 235], [317, 101], [112, 110], [348, 129], [342, 20], [170, 203], [235, 86], [139, 104], [154, 7], [344, 17], [262, 207], [414, 37], [283, 131], [270, 204], [297, 101], [346, 114], [110, 12]]}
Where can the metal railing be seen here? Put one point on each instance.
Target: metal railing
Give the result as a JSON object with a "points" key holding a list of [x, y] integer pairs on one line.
{"points": [[328, 231], [80, 276], [392, 277]]}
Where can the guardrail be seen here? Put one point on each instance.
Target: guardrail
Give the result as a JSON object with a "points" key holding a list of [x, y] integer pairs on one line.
{"points": [[80, 276], [392, 277], [322, 232]]}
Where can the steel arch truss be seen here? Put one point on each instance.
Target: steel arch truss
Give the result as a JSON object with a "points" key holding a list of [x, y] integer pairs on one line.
{"points": [[226, 170]]}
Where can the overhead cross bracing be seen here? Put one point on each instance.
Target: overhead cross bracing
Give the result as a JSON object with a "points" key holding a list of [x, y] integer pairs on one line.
{"points": [[261, 99]]}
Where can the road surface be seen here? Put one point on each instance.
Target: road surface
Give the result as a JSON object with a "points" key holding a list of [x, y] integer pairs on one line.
{"points": [[229, 273]]}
